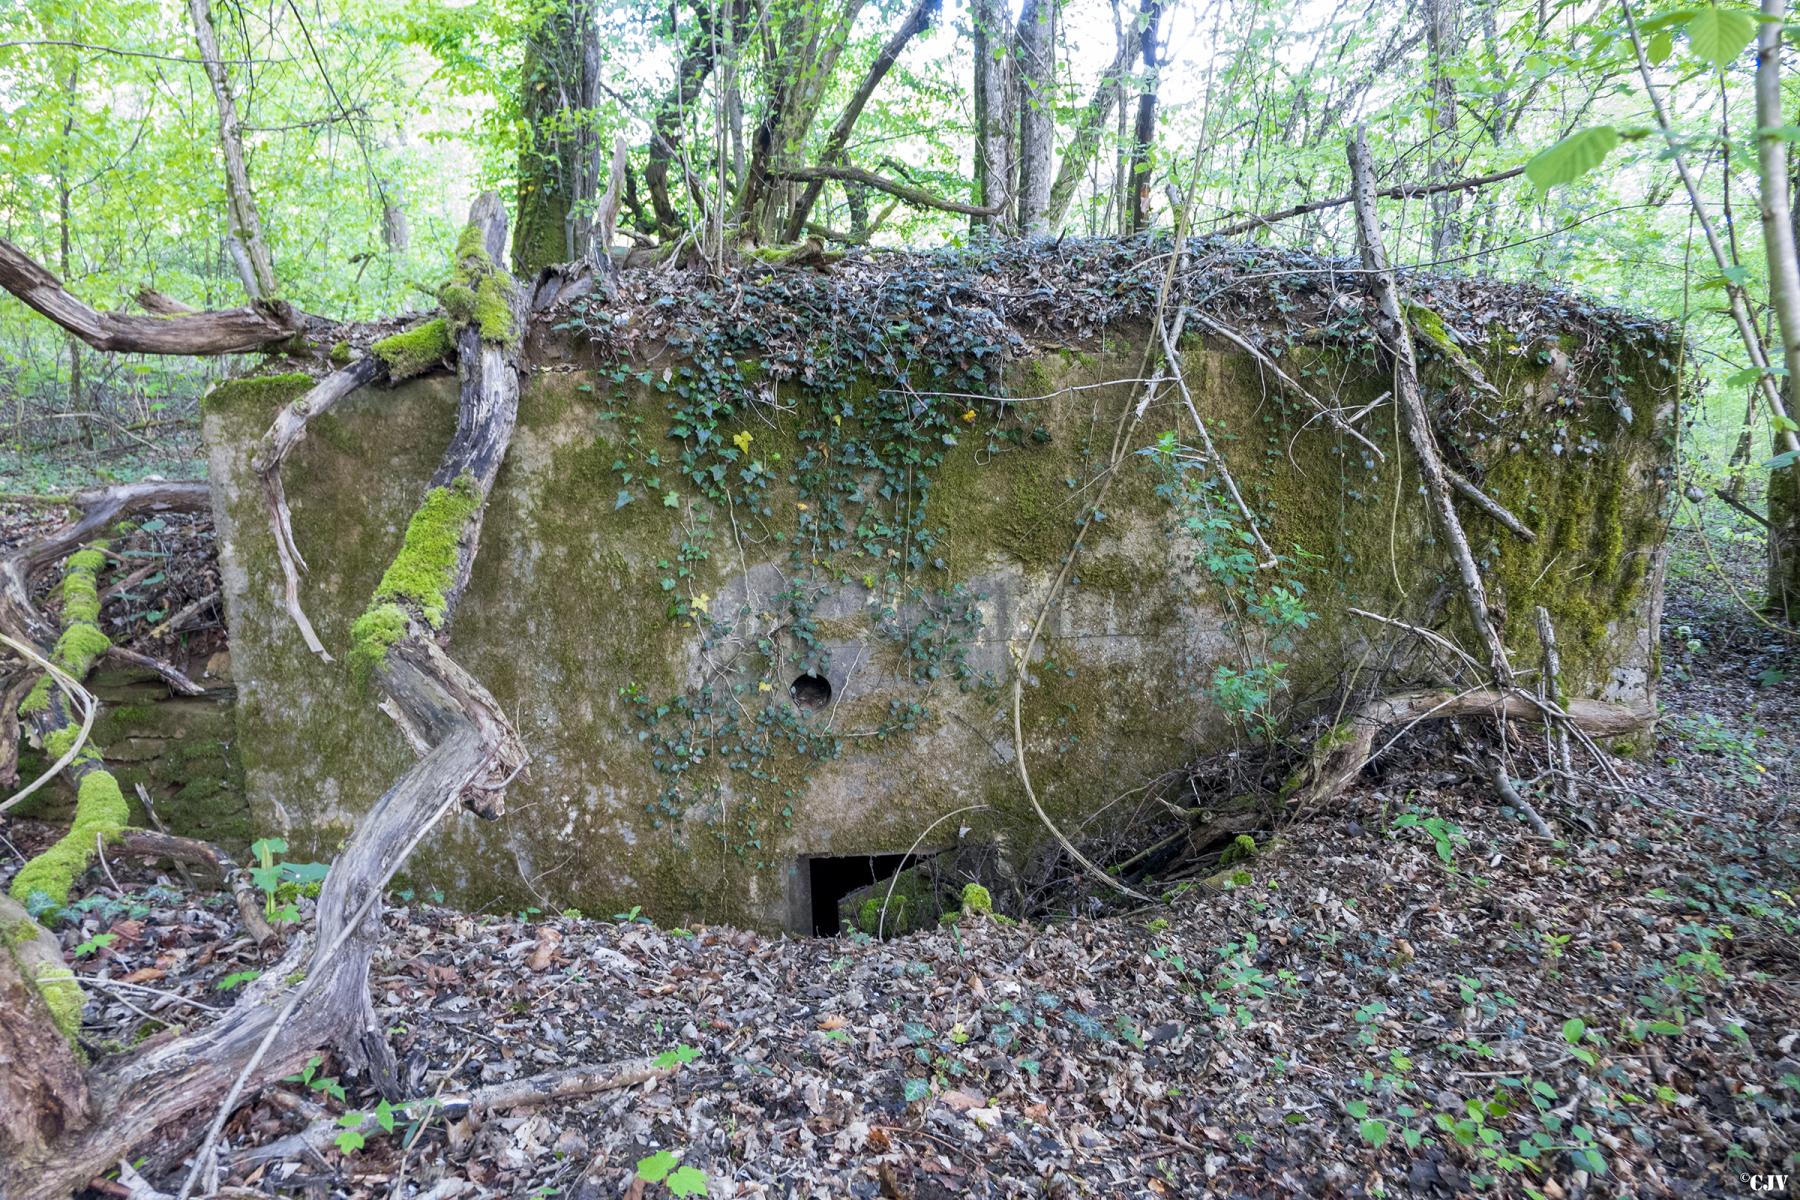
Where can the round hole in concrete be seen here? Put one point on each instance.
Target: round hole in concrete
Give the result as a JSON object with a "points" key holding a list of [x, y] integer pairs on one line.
{"points": [[811, 692]]}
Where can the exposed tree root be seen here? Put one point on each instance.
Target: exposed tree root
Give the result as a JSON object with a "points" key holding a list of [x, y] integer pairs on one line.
{"points": [[317, 995]]}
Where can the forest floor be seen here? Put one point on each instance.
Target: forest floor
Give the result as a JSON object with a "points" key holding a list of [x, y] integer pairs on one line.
{"points": [[1410, 996]]}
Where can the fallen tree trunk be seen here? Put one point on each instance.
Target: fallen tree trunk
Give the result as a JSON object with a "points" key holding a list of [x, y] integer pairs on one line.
{"points": [[1346, 748], [228, 331], [318, 995]]}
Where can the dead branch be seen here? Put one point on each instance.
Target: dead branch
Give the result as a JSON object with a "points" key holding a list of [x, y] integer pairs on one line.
{"points": [[1550, 691], [229, 331], [1331, 415], [166, 671], [916, 22], [882, 183], [1391, 325], [1488, 504], [1402, 192], [469, 748], [184, 615], [1345, 750], [517, 1093], [160, 844], [287, 432]]}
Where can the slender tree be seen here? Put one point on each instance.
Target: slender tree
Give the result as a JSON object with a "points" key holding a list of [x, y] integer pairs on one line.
{"points": [[996, 171], [1143, 136], [244, 238], [1033, 97]]}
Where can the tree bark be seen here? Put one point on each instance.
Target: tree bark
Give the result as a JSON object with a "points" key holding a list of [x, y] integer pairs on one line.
{"points": [[1784, 297], [916, 22], [995, 169], [245, 235], [1144, 132], [1443, 41], [1036, 80], [43, 1093], [232, 331], [559, 154], [806, 52], [697, 61]]}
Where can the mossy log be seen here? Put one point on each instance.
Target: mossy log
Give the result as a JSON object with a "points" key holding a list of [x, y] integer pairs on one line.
{"points": [[43, 1093]]}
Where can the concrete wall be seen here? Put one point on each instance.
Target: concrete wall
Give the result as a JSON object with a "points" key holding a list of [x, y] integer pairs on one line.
{"points": [[646, 651]]}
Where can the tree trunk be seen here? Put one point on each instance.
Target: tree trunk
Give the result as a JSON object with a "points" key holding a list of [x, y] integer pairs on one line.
{"points": [[1035, 100], [1144, 133], [245, 235], [995, 173], [1443, 41], [1109, 93], [1784, 297], [697, 61], [916, 22], [806, 53], [559, 153]]}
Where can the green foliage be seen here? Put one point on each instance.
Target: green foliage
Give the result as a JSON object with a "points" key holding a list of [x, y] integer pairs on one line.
{"points": [[680, 1180], [1573, 157], [1445, 835], [282, 883], [1718, 33], [1266, 616], [95, 944]]}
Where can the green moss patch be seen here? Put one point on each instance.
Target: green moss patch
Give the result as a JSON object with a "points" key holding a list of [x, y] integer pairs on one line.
{"points": [[42, 885], [493, 313], [416, 350], [426, 565], [371, 637], [264, 393]]}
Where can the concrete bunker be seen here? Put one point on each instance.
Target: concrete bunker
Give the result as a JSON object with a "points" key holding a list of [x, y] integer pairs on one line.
{"points": [[754, 591]]}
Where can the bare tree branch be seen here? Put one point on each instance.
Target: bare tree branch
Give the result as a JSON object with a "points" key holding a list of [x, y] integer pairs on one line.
{"points": [[230, 331]]}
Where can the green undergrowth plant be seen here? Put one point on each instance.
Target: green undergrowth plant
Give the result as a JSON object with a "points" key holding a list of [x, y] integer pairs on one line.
{"points": [[1267, 610], [283, 883]]}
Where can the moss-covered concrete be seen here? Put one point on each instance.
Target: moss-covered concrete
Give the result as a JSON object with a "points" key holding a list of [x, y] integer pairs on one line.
{"points": [[643, 636]]}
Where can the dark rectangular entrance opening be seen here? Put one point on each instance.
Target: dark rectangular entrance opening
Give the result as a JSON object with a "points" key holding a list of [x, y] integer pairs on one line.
{"points": [[829, 880]]}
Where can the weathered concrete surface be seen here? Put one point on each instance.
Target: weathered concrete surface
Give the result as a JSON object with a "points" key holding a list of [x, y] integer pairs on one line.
{"points": [[586, 619], [182, 749]]}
